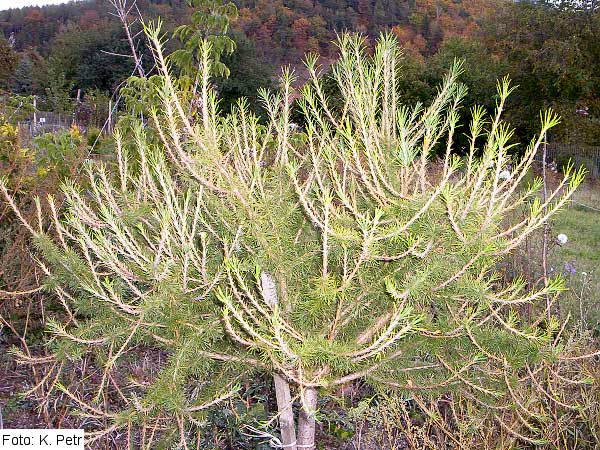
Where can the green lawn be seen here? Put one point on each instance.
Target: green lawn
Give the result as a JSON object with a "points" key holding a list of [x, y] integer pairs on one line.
{"points": [[582, 255]]}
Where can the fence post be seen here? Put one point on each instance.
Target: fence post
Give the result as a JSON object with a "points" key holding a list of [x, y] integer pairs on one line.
{"points": [[109, 125], [546, 229], [34, 114], [74, 122]]}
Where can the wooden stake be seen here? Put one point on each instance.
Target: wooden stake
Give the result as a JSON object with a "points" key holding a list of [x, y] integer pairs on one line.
{"points": [[282, 387], [109, 125], [34, 114], [545, 231], [74, 121]]}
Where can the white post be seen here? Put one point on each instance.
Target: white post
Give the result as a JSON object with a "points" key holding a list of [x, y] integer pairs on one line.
{"points": [[109, 124], [74, 121], [34, 115]]}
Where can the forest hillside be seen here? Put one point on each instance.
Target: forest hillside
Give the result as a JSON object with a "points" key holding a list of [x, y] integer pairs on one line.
{"points": [[549, 51]]}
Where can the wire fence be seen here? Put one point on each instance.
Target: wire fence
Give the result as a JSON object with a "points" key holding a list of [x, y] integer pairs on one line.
{"points": [[36, 115], [47, 122], [579, 155]]}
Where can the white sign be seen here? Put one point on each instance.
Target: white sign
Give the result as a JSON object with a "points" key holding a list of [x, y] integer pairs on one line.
{"points": [[42, 120], [41, 439]]}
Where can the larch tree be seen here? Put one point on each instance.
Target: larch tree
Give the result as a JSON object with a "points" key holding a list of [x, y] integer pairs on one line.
{"points": [[347, 251]]}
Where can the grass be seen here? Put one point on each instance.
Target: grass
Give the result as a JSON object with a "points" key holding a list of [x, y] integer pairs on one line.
{"points": [[581, 223]]}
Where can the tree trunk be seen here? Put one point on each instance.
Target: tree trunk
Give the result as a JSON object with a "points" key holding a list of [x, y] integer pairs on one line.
{"points": [[282, 387], [286, 414], [306, 420]]}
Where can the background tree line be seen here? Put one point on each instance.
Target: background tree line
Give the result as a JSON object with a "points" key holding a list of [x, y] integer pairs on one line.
{"points": [[550, 49]]}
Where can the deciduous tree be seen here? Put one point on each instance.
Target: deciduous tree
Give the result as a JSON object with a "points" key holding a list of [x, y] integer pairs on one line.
{"points": [[8, 62]]}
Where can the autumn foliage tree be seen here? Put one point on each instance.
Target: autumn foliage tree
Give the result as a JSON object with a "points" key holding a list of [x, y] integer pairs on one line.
{"points": [[341, 253], [8, 62]]}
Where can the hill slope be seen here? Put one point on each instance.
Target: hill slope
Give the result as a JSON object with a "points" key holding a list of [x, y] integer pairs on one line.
{"points": [[282, 29]]}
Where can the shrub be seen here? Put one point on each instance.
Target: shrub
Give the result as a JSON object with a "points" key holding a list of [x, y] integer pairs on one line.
{"points": [[231, 248], [93, 136], [58, 152]]}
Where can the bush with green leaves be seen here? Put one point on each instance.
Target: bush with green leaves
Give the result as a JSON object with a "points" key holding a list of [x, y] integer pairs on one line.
{"points": [[59, 151], [344, 252]]}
